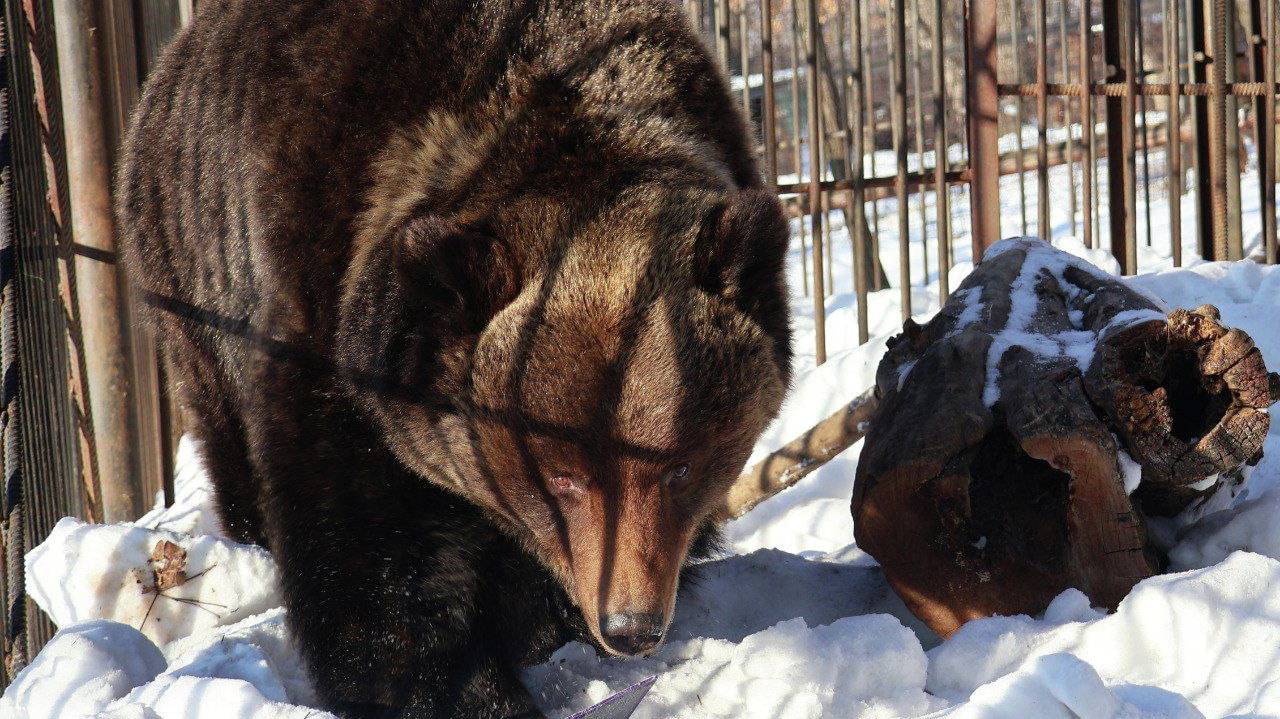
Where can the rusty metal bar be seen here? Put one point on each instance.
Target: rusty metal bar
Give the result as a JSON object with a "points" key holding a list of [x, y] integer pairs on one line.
{"points": [[744, 54], [878, 280], [768, 119], [1120, 89], [1089, 165], [1066, 117], [1043, 225], [1198, 52], [823, 162], [942, 198], [857, 192], [1264, 125], [1218, 52], [913, 180], [815, 182], [898, 119], [1268, 170], [983, 121], [1173, 128], [1226, 11], [1117, 36], [1015, 35], [109, 367], [1141, 72], [722, 32], [795, 135], [130, 37], [919, 137]]}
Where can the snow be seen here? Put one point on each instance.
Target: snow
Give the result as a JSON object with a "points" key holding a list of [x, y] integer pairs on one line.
{"points": [[82, 670], [795, 621], [227, 581], [1210, 635]]}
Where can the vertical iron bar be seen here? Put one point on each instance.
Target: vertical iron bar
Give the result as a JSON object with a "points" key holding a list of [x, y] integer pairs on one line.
{"points": [[110, 371], [795, 136], [898, 118], [983, 119], [858, 193], [744, 54], [1117, 27], [815, 182], [1198, 52], [722, 33], [1141, 72], [919, 142], [1268, 170], [1089, 140], [878, 281], [1219, 58], [942, 199], [1066, 117], [768, 119], [1015, 34], [1042, 122], [1173, 127], [1232, 134], [1261, 56]]}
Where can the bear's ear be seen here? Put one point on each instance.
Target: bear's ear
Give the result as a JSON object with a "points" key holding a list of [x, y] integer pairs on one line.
{"points": [[418, 298], [460, 275], [741, 246]]}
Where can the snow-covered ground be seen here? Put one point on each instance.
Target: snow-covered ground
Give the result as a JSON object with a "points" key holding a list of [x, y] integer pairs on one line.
{"points": [[794, 622]]}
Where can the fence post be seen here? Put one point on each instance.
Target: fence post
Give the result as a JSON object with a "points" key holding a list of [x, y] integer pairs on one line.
{"points": [[1122, 197], [107, 356], [984, 123]]}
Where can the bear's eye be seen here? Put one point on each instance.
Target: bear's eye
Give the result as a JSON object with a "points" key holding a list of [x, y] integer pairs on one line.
{"points": [[564, 483], [677, 474]]}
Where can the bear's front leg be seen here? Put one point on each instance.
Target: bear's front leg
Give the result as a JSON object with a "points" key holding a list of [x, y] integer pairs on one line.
{"points": [[404, 600], [397, 628]]}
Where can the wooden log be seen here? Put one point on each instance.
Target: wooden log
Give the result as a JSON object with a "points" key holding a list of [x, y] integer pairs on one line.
{"points": [[991, 479]]}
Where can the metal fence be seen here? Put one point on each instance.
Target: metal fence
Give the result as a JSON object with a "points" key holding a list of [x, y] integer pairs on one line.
{"points": [[915, 131], [988, 118]]}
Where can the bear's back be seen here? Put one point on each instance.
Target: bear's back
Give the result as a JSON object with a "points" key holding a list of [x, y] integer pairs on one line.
{"points": [[249, 160], [242, 169]]}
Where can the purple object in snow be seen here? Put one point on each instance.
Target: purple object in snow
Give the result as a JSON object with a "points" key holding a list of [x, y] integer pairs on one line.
{"points": [[620, 705]]}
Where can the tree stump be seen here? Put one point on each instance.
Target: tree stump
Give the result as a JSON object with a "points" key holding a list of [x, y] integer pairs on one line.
{"points": [[998, 467]]}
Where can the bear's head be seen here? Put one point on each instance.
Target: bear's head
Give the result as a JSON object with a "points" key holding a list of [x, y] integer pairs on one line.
{"points": [[596, 385]]}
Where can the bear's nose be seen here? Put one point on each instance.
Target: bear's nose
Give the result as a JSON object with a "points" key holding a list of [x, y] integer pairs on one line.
{"points": [[632, 633]]}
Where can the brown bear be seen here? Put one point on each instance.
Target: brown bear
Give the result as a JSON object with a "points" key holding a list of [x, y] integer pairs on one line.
{"points": [[476, 309]]}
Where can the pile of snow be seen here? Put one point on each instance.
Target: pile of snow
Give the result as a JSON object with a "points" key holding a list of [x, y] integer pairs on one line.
{"points": [[865, 666], [795, 622], [225, 581]]}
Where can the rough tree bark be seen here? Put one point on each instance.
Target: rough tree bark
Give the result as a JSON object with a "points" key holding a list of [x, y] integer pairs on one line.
{"points": [[991, 478]]}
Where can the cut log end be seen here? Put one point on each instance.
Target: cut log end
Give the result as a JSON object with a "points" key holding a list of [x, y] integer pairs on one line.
{"points": [[1188, 397]]}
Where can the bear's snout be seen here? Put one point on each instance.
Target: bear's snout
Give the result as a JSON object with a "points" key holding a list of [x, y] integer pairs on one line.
{"points": [[632, 633]]}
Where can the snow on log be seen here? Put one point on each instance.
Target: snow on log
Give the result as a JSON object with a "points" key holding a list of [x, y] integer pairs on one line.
{"points": [[991, 478]]}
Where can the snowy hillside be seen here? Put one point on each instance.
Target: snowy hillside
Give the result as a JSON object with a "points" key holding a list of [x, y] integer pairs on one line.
{"points": [[794, 623]]}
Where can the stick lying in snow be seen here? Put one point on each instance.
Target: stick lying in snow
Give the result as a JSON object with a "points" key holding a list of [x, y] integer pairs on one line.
{"points": [[991, 478], [793, 461]]}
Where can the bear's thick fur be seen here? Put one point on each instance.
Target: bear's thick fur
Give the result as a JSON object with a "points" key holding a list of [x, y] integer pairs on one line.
{"points": [[476, 309]]}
